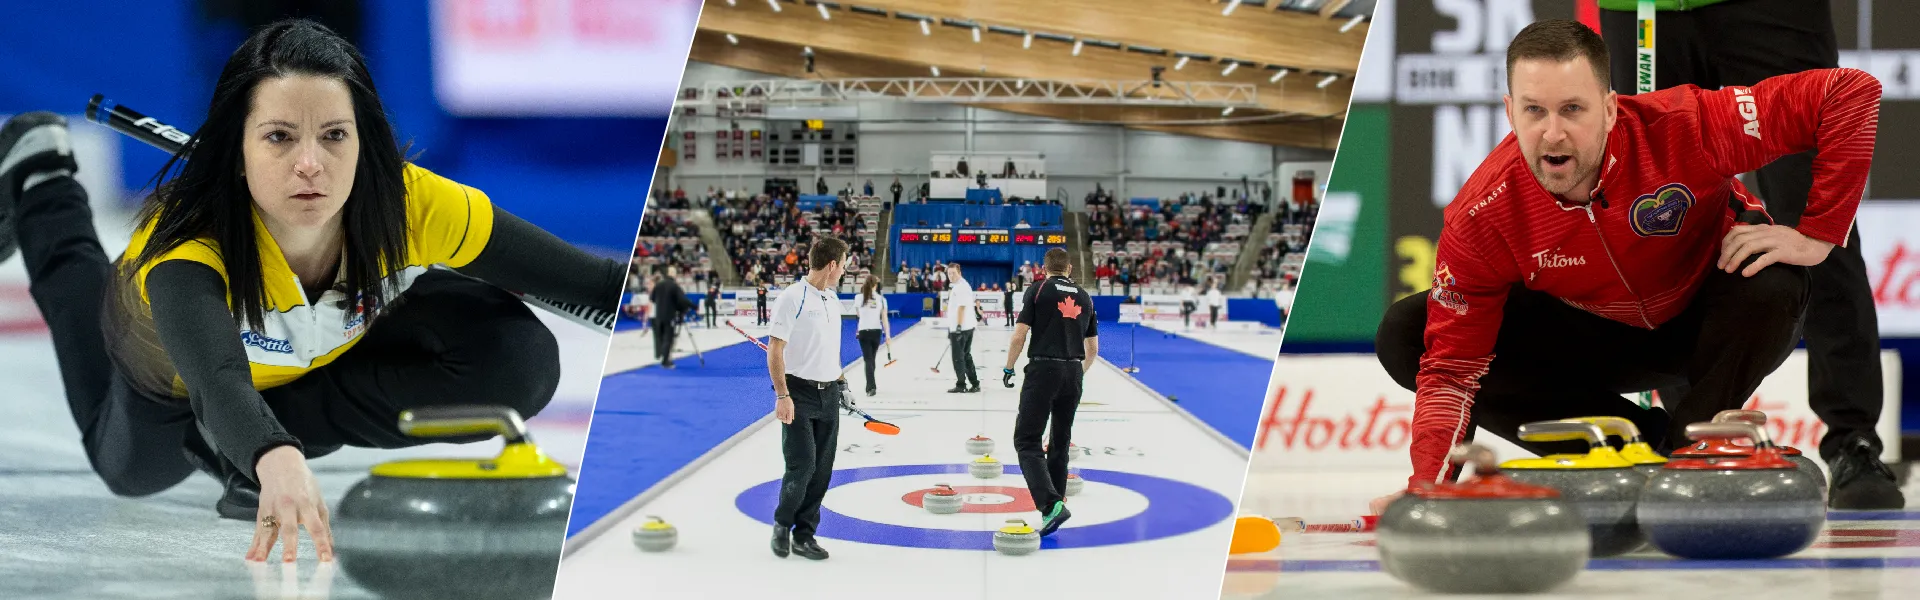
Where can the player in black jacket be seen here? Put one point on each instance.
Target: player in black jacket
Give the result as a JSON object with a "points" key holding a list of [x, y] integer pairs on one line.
{"points": [[1066, 341]]}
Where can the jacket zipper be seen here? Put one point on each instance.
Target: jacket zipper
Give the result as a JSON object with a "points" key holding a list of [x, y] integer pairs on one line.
{"points": [[1638, 305]]}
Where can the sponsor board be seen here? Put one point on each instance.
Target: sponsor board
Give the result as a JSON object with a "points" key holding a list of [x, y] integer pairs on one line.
{"points": [[1890, 242], [1342, 412]]}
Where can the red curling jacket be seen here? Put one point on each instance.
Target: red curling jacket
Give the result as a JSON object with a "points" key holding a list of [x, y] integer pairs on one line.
{"points": [[1639, 251]]}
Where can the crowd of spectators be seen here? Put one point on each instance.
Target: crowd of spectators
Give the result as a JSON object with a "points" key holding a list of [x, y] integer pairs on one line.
{"points": [[1192, 239], [767, 238]]}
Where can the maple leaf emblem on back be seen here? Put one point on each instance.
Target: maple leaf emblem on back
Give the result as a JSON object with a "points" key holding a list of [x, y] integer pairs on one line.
{"points": [[1068, 309]]}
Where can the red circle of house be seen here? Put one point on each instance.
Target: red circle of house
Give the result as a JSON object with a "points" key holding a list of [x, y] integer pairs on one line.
{"points": [[985, 499]]}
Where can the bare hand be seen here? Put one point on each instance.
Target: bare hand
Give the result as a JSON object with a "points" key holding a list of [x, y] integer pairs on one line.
{"points": [[1379, 505], [1773, 244], [783, 410], [289, 499]]}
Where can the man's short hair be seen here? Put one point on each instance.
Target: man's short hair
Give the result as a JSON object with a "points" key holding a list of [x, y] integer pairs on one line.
{"points": [[1559, 40], [826, 250], [1057, 260]]}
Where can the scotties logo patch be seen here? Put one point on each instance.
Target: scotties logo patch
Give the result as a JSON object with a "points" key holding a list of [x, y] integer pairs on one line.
{"points": [[1443, 293], [1660, 213]]}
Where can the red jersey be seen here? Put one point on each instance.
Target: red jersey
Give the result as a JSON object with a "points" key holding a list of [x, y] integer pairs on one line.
{"points": [[1639, 251]]}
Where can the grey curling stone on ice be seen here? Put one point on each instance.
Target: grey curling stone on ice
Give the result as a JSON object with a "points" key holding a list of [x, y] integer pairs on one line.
{"points": [[470, 529], [1600, 484], [1016, 539], [1484, 536], [655, 535], [1732, 507], [1074, 483], [979, 445], [985, 467], [942, 500], [1793, 455]]}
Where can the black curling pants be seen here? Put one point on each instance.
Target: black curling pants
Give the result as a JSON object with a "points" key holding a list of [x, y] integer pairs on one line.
{"points": [[1741, 42], [965, 374], [1553, 361], [1048, 399], [869, 346], [808, 443], [450, 339]]}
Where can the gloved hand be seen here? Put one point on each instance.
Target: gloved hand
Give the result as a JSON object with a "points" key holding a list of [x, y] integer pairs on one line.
{"points": [[1008, 377]]}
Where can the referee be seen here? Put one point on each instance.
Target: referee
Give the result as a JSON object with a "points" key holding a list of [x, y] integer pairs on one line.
{"points": [[1066, 340], [803, 359], [962, 303]]}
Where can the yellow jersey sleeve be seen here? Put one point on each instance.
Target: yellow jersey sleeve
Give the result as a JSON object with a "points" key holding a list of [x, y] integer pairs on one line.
{"points": [[203, 251], [448, 223]]}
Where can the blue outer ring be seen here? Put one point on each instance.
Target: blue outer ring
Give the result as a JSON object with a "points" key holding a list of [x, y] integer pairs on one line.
{"points": [[1173, 508]]}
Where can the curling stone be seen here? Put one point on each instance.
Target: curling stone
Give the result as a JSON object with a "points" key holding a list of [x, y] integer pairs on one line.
{"points": [[942, 500], [1254, 534], [1016, 538], [979, 445], [985, 467], [1644, 458], [1793, 455], [1732, 507], [440, 528], [1490, 534], [655, 535], [1600, 484], [1074, 483]]}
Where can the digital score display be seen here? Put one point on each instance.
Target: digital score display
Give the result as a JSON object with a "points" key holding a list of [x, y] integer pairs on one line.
{"points": [[926, 236], [983, 236], [1040, 238]]}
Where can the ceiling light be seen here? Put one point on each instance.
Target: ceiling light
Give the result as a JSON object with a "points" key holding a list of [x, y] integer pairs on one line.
{"points": [[924, 30], [775, 4], [730, 3], [936, 71], [1230, 6], [823, 12], [976, 35], [1276, 76], [1029, 42], [1325, 82], [806, 50], [1230, 67], [1352, 23], [1076, 47], [1226, 112], [1020, 84], [733, 40], [1180, 65]]}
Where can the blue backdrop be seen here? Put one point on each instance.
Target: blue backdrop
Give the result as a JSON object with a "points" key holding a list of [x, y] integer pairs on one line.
{"points": [[582, 179]]}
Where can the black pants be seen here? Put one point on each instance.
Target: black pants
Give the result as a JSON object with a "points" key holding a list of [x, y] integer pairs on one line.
{"points": [[808, 444], [964, 373], [1007, 308], [869, 346], [1553, 361], [1051, 392], [713, 315], [1741, 42], [666, 326], [1213, 316], [1186, 313], [450, 339], [762, 307]]}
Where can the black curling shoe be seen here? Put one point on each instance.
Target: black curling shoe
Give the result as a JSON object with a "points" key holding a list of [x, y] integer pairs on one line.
{"points": [[809, 549], [782, 541], [1860, 481]]}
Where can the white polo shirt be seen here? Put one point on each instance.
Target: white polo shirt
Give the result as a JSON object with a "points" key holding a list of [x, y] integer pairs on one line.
{"points": [[808, 319], [871, 313], [960, 303]]}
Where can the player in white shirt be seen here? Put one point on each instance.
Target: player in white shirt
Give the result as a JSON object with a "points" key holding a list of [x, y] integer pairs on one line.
{"points": [[960, 313], [1188, 304], [874, 327], [1215, 301], [803, 359]]}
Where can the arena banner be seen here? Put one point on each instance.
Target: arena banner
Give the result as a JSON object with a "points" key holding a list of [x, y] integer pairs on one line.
{"points": [[553, 57], [1890, 242], [1341, 412]]}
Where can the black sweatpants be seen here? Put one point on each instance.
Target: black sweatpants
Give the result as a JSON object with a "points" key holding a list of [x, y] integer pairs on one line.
{"points": [[964, 373], [869, 346], [1051, 392], [713, 314], [449, 339], [761, 306], [808, 444], [1553, 361], [666, 326], [1741, 42], [1213, 316]]}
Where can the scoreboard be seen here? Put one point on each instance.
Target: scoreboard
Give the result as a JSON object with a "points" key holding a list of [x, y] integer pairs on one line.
{"points": [[926, 236], [1039, 238], [984, 237]]}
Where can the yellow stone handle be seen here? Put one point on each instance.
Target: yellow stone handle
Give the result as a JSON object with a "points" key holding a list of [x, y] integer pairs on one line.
{"points": [[1615, 426], [459, 420], [1570, 430]]}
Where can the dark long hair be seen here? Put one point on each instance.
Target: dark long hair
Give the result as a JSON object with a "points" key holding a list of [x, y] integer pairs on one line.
{"points": [[866, 290], [208, 198]]}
